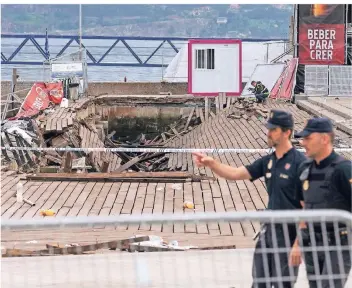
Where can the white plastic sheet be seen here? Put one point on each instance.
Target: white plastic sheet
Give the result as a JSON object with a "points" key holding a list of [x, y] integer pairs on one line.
{"points": [[265, 73]]}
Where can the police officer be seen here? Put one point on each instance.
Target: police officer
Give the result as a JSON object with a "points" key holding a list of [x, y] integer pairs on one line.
{"points": [[280, 171], [326, 184], [260, 91]]}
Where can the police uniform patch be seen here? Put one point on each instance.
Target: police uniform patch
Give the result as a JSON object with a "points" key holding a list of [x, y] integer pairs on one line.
{"points": [[306, 185], [287, 166], [270, 164], [285, 176], [268, 175]]}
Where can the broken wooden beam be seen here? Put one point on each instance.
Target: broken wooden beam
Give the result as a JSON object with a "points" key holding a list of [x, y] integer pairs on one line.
{"points": [[53, 159], [130, 163], [164, 137], [175, 131], [57, 250], [14, 152], [67, 162], [20, 141], [109, 136], [189, 118], [116, 177], [200, 111], [4, 152]]}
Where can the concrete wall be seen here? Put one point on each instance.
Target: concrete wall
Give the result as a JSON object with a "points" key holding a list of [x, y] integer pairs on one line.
{"points": [[115, 88], [136, 88]]}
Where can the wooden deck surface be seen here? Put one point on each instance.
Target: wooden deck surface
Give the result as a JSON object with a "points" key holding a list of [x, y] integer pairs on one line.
{"points": [[90, 198]]}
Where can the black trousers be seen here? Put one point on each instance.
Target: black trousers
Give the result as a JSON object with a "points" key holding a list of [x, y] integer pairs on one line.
{"points": [[261, 97], [274, 264], [328, 268]]}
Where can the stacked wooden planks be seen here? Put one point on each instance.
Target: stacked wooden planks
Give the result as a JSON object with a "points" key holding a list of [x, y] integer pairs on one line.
{"points": [[90, 139]]}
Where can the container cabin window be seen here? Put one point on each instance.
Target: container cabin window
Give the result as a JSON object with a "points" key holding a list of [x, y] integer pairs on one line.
{"points": [[205, 59]]}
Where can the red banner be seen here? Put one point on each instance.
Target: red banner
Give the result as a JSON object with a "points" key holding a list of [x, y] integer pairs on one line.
{"points": [[39, 97], [56, 92], [284, 85], [321, 34]]}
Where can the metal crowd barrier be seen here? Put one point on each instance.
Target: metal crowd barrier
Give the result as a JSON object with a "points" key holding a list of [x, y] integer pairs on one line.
{"points": [[168, 263]]}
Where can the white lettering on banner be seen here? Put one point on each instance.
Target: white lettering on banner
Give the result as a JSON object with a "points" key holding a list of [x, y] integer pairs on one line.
{"points": [[38, 103], [321, 43], [320, 34], [321, 54]]}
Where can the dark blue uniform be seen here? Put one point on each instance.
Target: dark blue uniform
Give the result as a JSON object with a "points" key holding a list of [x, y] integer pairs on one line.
{"points": [[326, 185], [282, 181]]}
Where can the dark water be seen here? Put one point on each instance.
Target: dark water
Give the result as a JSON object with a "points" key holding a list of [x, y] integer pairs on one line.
{"points": [[131, 129], [130, 122]]}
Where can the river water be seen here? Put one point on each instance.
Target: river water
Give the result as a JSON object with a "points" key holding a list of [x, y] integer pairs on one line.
{"points": [[253, 54]]}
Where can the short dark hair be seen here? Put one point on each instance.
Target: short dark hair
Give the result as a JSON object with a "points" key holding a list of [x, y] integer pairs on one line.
{"points": [[284, 129], [253, 81]]}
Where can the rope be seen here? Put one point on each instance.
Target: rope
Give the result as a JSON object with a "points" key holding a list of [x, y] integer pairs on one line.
{"points": [[154, 150]]}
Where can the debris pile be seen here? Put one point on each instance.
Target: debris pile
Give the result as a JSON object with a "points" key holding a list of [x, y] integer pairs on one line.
{"points": [[246, 108], [20, 133], [133, 161], [137, 243]]}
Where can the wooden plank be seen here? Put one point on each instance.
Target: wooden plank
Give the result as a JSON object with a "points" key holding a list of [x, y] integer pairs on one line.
{"points": [[92, 196], [217, 104], [188, 196], [221, 101], [206, 108], [96, 175], [128, 164], [48, 124], [118, 163], [53, 124], [4, 181], [228, 103], [71, 196], [81, 132], [158, 204], [201, 115], [60, 112], [79, 202], [168, 206], [105, 167], [64, 123], [99, 201], [86, 137], [197, 113], [10, 206], [189, 118], [111, 205], [67, 163], [39, 197], [54, 250], [175, 131], [69, 121], [130, 198]]}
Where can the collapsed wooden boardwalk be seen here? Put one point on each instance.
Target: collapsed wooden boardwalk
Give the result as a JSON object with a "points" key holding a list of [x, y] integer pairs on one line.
{"points": [[97, 198]]}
